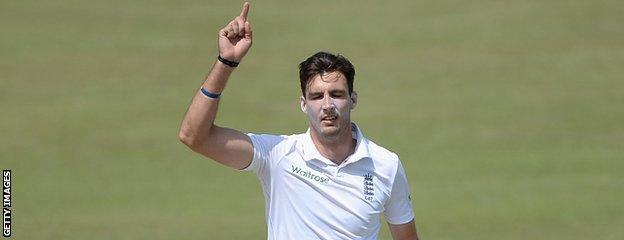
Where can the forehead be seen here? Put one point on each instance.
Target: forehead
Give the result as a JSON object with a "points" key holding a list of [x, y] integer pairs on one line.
{"points": [[328, 81]]}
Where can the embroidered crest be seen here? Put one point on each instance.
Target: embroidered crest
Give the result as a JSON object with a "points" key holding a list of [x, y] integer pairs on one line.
{"points": [[369, 187]]}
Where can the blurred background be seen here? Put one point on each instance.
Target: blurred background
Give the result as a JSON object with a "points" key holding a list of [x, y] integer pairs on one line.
{"points": [[508, 115]]}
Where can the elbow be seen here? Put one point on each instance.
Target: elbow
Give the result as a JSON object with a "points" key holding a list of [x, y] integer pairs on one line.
{"points": [[189, 139], [195, 144], [198, 141]]}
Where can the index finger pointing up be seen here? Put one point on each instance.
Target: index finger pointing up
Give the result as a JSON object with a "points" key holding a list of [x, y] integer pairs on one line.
{"points": [[245, 10]]}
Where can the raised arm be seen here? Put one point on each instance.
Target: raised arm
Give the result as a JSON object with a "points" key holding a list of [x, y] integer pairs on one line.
{"points": [[198, 131]]}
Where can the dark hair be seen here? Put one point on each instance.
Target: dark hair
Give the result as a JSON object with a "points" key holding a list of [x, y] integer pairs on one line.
{"points": [[321, 63]]}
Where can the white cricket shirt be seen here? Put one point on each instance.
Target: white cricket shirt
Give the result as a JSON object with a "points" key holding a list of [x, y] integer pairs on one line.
{"points": [[307, 196]]}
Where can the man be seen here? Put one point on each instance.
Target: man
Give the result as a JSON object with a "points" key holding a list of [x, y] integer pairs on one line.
{"points": [[328, 183]]}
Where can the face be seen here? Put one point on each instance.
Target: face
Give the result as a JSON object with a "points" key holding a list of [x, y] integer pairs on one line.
{"points": [[328, 104]]}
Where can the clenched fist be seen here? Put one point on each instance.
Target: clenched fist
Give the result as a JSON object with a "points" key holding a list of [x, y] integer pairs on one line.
{"points": [[235, 38]]}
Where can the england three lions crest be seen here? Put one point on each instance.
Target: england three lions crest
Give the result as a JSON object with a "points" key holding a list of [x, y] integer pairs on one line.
{"points": [[369, 187]]}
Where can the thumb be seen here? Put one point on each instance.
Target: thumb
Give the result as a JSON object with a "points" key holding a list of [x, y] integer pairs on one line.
{"points": [[248, 33]]}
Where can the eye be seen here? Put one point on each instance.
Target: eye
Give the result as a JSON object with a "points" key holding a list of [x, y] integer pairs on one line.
{"points": [[338, 94], [315, 96]]}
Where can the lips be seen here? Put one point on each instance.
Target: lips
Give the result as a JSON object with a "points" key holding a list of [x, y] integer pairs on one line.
{"points": [[329, 118]]}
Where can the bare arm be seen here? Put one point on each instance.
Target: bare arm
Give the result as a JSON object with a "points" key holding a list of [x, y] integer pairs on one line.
{"points": [[405, 231], [198, 131]]}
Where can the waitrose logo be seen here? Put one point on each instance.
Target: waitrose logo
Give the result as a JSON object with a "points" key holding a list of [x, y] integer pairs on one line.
{"points": [[308, 174]]}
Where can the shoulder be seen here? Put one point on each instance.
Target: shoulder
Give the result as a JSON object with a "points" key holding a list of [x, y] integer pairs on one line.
{"points": [[273, 143], [386, 162], [272, 139], [381, 155], [268, 149]]}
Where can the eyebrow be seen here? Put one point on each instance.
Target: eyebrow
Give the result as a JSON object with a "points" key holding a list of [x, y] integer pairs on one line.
{"points": [[330, 92], [337, 91]]}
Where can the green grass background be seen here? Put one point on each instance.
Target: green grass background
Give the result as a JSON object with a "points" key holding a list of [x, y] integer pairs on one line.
{"points": [[508, 115]]}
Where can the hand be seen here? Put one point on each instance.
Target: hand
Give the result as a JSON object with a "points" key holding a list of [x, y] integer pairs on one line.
{"points": [[235, 38]]}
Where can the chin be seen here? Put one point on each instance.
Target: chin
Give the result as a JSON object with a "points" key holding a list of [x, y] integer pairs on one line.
{"points": [[330, 131]]}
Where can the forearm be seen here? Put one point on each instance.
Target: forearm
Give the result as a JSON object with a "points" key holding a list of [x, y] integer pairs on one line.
{"points": [[216, 79], [199, 119]]}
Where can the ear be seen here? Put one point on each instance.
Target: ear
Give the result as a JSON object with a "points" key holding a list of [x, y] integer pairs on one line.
{"points": [[353, 99], [302, 102]]}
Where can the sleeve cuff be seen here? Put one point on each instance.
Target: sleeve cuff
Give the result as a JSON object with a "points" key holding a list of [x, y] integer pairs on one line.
{"points": [[402, 219], [254, 162]]}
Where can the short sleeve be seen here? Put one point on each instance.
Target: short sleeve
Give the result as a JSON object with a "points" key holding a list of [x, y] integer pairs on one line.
{"points": [[398, 209], [264, 146]]}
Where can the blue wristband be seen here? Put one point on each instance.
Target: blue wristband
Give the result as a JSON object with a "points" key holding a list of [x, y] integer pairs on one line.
{"points": [[209, 94]]}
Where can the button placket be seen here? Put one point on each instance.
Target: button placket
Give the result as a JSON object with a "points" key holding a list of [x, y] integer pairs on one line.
{"points": [[339, 173]]}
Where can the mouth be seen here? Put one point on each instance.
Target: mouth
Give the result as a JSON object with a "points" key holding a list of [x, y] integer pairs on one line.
{"points": [[329, 119]]}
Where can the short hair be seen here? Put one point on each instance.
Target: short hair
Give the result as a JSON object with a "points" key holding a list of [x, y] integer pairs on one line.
{"points": [[324, 62]]}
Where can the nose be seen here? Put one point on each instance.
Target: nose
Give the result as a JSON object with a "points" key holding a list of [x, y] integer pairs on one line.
{"points": [[328, 103]]}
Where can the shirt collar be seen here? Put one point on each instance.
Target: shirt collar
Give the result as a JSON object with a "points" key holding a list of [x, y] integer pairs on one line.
{"points": [[310, 152]]}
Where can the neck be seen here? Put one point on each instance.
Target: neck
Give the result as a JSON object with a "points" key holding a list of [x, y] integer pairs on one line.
{"points": [[336, 148]]}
